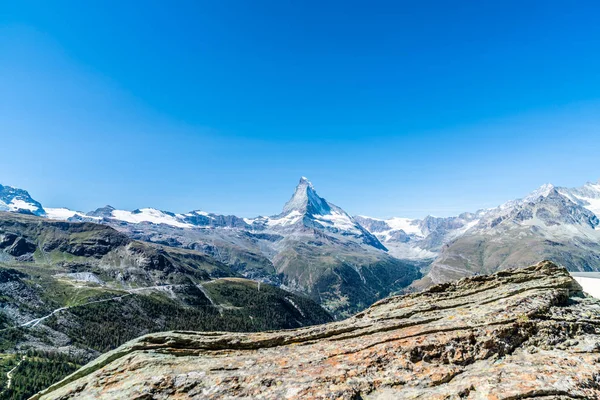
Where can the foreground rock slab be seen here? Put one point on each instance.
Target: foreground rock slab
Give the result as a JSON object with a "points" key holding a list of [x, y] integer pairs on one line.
{"points": [[524, 333]]}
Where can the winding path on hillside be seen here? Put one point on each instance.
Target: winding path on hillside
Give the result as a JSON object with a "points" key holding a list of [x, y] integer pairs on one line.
{"points": [[34, 322], [9, 373]]}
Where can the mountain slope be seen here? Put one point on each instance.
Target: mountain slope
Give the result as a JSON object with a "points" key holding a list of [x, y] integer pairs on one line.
{"points": [[328, 255], [74, 290], [549, 223], [418, 239]]}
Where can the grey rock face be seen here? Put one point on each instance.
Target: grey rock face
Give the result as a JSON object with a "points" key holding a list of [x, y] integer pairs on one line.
{"points": [[21, 247], [104, 212], [306, 200], [215, 221]]}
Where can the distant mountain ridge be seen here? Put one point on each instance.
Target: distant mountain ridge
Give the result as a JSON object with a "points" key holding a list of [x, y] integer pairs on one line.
{"points": [[553, 223], [306, 209], [312, 240], [312, 247]]}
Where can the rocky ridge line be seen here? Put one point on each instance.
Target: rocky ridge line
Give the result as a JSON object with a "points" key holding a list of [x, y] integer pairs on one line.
{"points": [[523, 333]]}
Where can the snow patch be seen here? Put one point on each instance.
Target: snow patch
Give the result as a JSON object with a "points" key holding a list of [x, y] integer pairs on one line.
{"points": [[589, 285], [409, 226], [151, 215], [289, 219], [404, 251], [63, 214], [338, 220], [18, 204], [60, 213]]}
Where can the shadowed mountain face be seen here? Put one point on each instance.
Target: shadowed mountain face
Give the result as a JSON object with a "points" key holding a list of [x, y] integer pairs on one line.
{"points": [[517, 334]]}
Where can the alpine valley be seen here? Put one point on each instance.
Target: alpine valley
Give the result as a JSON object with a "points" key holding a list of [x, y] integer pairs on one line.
{"points": [[76, 284]]}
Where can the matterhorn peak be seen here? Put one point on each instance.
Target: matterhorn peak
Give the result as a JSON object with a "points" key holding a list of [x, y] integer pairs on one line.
{"points": [[306, 200]]}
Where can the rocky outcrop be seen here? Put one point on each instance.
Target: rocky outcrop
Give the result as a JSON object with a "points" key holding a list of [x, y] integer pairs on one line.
{"points": [[525, 333]]}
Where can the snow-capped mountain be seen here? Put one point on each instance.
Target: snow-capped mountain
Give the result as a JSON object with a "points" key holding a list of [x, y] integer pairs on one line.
{"points": [[551, 222], [153, 216], [307, 211], [315, 247], [418, 239], [588, 196], [19, 200], [312, 246]]}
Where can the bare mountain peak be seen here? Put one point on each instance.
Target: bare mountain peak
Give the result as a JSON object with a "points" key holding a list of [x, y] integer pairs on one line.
{"points": [[304, 179], [306, 200], [543, 191]]}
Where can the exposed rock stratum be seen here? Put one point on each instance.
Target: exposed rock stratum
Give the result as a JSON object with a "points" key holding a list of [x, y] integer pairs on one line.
{"points": [[521, 333]]}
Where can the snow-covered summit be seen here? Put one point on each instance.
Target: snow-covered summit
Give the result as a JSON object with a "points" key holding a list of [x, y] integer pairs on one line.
{"points": [[62, 213], [306, 200], [19, 200], [307, 210], [543, 191]]}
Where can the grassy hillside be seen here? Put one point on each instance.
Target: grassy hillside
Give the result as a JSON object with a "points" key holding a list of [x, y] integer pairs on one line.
{"points": [[75, 290]]}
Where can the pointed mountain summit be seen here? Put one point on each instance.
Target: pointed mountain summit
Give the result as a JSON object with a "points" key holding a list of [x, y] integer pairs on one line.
{"points": [[306, 200], [323, 252], [307, 210], [543, 191]]}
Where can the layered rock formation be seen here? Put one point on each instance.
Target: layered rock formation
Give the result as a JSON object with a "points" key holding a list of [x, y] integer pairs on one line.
{"points": [[525, 333]]}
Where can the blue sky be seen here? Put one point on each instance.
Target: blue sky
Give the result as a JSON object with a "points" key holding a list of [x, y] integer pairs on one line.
{"points": [[396, 108]]}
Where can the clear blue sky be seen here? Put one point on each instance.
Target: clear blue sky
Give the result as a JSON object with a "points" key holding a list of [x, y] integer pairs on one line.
{"points": [[397, 108]]}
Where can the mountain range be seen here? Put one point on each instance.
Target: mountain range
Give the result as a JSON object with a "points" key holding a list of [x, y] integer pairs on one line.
{"points": [[345, 263], [312, 246]]}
